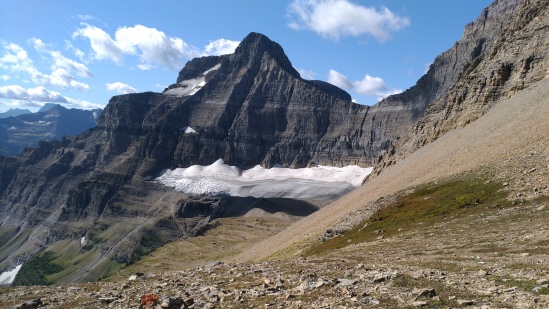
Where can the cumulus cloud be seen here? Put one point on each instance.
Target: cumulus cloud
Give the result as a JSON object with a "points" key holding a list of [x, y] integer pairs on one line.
{"points": [[373, 86], [60, 61], [102, 45], [340, 18], [40, 94], [30, 97], [60, 78], [120, 88], [340, 80], [152, 46], [221, 47], [16, 59]]}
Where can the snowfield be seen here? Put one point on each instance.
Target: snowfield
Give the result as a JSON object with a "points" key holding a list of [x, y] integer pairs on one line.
{"points": [[7, 277], [315, 183], [191, 86]]}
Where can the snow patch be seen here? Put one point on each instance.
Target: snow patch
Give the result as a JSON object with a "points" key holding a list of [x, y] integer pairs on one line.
{"points": [[187, 130], [7, 277], [191, 86], [187, 87], [39, 122], [215, 68], [277, 182]]}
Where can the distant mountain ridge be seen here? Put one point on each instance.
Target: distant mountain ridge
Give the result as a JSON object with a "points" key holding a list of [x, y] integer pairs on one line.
{"points": [[51, 122], [12, 112]]}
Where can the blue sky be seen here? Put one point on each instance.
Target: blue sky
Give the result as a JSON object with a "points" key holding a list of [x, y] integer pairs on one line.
{"points": [[81, 53]]}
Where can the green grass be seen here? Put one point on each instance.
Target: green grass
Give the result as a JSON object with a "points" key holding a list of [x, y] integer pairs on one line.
{"points": [[6, 233], [523, 285], [36, 269], [425, 206]]}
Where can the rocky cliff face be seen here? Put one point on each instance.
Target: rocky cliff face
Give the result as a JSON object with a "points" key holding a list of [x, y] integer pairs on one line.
{"points": [[248, 108], [503, 52]]}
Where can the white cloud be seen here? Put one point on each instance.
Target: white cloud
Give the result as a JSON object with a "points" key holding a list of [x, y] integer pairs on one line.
{"points": [[339, 18], [77, 52], [340, 80], [61, 61], [152, 46], [369, 85], [373, 86], [306, 74], [40, 94], [4, 77], [102, 45], [221, 47], [16, 59], [144, 67], [60, 78], [120, 88], [30, 97]]}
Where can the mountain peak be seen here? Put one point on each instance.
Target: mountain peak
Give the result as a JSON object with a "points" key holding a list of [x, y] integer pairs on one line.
{"points": [[47, 107], [254, 45]]}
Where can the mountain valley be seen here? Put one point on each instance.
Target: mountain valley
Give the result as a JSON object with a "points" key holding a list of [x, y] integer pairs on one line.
{"points": [[453, 214]]}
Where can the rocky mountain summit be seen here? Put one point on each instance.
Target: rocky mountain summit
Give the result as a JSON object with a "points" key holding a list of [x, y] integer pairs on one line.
{"points": [[90, 200]]}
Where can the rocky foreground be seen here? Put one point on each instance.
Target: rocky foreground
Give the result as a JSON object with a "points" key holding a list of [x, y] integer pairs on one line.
{"points": [[482, 259]]}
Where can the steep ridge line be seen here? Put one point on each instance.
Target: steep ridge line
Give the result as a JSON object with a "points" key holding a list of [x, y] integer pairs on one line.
{"points": [[502, 63], [513, 128]]}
